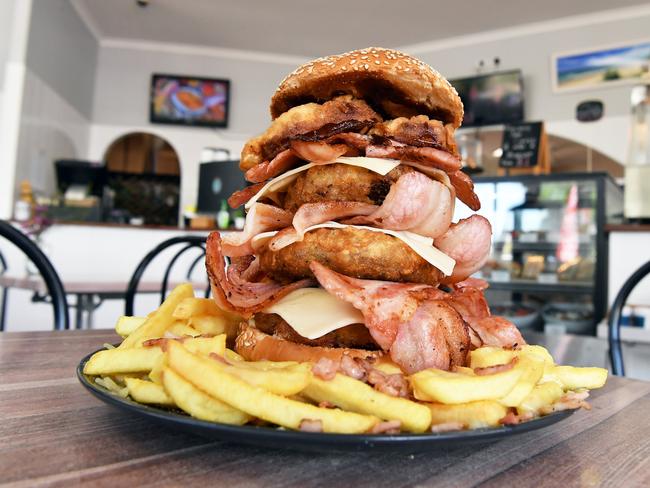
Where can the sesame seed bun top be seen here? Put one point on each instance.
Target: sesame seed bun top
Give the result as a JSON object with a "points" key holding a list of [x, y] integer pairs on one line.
{"points": [[394, 83]]}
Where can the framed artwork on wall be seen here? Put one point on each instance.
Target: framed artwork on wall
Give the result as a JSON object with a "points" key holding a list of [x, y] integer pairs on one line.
{"points": [[623, 63]]}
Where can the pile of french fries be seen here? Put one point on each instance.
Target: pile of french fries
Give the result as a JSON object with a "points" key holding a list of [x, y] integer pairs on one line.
{"points": [[177, 358]]}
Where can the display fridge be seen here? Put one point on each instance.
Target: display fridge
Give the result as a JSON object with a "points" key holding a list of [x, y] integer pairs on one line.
{"points": [[548, 264]]}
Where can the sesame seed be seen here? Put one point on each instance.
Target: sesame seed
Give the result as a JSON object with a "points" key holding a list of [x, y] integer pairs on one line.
{"points": [[377, 62]]}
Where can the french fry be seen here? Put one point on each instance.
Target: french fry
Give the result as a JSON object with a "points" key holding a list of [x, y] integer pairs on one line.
{"points": [[474, 415], [452, 388], [487, 356], [541, 396], [533, 369], [156, 325], [192, 307], [180, 328], [211, 377], [387, 366], [286, 381], [197, 403], [356, 396], [145, 359], [113, 361], [126, 325], [147, 392], [574, 378], [209, 324], [231, 355], [155, 374]]}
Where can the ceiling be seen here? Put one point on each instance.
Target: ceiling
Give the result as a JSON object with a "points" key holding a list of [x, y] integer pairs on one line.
{"points": [[312, 28]]}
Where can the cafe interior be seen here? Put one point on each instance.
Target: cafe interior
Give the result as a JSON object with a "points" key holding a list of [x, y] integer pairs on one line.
{"points": [[122, 125]]}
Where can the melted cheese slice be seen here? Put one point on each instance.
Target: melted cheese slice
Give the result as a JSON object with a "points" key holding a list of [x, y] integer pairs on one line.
{"points": [[380, 166], [313, 312], [423, 246]]}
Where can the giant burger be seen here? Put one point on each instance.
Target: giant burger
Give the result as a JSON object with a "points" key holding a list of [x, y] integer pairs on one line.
{"points": [[349, 252]]}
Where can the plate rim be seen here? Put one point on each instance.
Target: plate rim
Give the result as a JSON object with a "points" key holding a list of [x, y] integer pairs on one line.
{"points": [[265, 434]]}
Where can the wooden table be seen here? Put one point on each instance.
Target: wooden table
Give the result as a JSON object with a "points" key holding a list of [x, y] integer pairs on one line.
{"points": [[54, 433]]}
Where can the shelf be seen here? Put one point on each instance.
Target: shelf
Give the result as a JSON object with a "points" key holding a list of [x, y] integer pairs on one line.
{"points": [[529, 286], [542, 246]]}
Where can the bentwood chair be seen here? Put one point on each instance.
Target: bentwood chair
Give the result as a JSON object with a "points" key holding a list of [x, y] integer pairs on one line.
{"points": [[614, 324], [55, 289], [190, 242]]}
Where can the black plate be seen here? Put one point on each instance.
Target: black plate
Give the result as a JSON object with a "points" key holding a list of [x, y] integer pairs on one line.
{"points": [[288, 439]]}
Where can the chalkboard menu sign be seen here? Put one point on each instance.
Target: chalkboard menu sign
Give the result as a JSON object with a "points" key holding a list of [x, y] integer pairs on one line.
{"points": [[522, 145]]}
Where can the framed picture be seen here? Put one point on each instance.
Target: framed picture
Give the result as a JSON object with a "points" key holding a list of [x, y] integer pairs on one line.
{"points": [[601, 67]]}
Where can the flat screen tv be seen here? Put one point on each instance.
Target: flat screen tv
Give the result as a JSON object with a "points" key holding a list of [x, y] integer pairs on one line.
{"points": [[491, 99], [189, 100]]}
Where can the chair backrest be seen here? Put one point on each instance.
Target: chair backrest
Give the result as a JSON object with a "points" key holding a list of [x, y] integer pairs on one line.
{"points": [[52, 281], [190, 242], [614, 323]]}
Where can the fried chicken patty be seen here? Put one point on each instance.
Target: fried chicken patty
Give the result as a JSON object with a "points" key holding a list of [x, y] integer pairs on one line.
{"points": [[355, 252], [309, 122], [340, 183], [419, 131], [355, 335]]}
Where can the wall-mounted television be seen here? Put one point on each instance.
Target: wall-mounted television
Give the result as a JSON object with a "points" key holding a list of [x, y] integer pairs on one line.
{"points": [[495, 98], [189, 100]]}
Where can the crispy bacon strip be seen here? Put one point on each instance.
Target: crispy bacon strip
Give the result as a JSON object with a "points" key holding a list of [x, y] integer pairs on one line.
{"points": [[260, 218], [352, 139], [269, 169], [429, 156], [418, 331], [497, 331], [325, 369], [468, 242], [242, 196], [415, 203], [465, 189], [318, 152], [387, 427], [232, 292], [309, 425], [316, 213]]}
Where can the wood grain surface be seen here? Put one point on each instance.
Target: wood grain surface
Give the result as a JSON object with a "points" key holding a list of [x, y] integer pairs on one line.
{"points": [[54, 433]]}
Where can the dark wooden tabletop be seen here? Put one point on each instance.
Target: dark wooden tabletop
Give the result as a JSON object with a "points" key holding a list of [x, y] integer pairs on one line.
{"points": [[54, 433]]}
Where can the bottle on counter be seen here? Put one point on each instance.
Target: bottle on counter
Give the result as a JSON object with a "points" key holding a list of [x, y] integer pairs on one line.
{"points": [[25, 203], [223, 216]]}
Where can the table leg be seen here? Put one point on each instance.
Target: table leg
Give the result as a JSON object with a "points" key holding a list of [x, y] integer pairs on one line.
{"points": [[79, 318], [3, 308]]}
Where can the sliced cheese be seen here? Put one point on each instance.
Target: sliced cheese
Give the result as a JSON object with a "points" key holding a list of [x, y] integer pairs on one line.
{"points": [[380, 166], [423, 246], [313, 312]]}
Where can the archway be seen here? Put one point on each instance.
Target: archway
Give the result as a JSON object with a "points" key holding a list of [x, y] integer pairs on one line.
{"points": [[144, 176], [567, 155]]}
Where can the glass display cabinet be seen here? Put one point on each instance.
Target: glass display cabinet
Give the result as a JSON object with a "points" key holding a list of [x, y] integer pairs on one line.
{"points": [[548, 264]]}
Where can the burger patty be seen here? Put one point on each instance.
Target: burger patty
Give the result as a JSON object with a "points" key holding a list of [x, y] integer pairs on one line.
{"points": [[309, 122], [340, 183], [355, 252], [356, 336]]}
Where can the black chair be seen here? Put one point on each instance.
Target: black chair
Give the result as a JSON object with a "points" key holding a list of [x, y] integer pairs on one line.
{"points": [[191, 242], [53, 283], [614, 335]]}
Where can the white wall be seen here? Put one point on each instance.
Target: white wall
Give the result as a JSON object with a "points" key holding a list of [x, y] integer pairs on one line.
{"points": [[121, 103], [58, 89], [15, 19], [529, 48]]}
